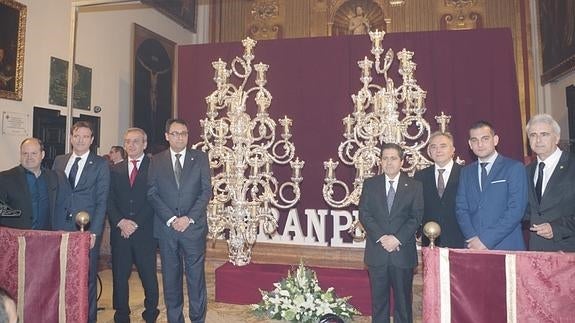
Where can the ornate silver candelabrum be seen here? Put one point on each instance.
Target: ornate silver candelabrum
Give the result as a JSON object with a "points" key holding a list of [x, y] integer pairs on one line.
{"points": [[382, 114], [242, 150]]}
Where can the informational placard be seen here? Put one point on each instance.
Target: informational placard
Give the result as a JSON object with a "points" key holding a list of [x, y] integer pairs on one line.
{"points": [[15, 123]]}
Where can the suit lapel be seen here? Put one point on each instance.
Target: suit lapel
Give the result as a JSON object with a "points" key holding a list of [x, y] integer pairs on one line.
{"points": [[125, 174], [476, 179], [142, 171], [495, 168], [86, 170], [65, 163], [24, 183], [451, 180], [559, 174], [402, 190], [188, 164], [530, 179], [431, 179], [381, 188], [170, 167]]}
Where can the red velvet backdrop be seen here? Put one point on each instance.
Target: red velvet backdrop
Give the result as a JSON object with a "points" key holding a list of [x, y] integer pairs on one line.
{"points": [[469, 75]]}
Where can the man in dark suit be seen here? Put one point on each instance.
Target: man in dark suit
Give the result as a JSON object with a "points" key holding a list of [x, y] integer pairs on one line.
{"points": [[84, 185], [390, 210], [131, 221], [440, 183], [30, 189], [180, 189], [492, 195], [551, 207]]}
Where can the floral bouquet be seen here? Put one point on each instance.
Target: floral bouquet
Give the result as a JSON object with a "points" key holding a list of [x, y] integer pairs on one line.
{"points": [[298, 298]]}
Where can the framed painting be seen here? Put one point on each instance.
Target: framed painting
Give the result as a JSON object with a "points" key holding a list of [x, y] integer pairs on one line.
{"points": [[182, 12], [153, 85], [557, 33], [12, 31]]}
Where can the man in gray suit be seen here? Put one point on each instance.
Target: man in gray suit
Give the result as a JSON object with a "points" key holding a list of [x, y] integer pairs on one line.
{"points": [[179, 190], [390, 210], [551, 200], [84, 185]]}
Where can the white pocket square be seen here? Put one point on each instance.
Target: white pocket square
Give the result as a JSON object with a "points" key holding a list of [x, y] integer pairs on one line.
{"points": [[499, 181]]}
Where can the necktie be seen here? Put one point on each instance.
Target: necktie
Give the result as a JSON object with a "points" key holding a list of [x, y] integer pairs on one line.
{"points": [[539, 183], [134, 172], [483, 175], [440, 182], [73, 172], [390, 196], [178, 170]]}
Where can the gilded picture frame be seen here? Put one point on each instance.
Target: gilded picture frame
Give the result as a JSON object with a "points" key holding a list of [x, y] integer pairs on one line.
{"points": [[12, 32]]}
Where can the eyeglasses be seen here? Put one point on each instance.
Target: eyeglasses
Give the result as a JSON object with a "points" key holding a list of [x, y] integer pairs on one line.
{"points": [[178, 133]]}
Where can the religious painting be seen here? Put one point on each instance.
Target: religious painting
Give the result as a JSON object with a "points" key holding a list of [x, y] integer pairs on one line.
{"points": [[357, 17], [12, 31], [182, 12], [557, 31], [153, 85]]}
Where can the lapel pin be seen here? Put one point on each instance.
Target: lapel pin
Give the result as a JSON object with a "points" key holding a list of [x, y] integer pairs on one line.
{"points": [[561, 167]]}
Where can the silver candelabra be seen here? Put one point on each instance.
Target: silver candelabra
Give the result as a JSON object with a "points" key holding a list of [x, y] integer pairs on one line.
{"points": [[382, 114], [242, 150]]}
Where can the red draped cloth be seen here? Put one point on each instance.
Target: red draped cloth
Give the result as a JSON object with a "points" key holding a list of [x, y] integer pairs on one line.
{"points": [[47, 273], [497, 286]]}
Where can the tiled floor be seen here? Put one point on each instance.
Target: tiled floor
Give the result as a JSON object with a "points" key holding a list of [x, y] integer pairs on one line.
{"points": [[217, 312]]}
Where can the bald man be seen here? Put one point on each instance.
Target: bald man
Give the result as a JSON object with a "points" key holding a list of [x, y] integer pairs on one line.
{"points": [[29, 188]]}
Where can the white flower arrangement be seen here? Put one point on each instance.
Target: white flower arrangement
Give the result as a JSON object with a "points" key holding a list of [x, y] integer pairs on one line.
{"points": [[298, 298]]}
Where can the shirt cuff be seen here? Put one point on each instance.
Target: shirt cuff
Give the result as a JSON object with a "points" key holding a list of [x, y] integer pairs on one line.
{"points": [[170, 221]]}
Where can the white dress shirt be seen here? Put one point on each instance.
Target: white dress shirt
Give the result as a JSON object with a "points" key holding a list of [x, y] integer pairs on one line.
{"points": [[550, 164], [446, 173], [81, 164]]}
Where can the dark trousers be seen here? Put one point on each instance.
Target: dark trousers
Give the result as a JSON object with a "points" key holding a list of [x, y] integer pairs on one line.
{"points": [[137, 250], [180, 256], [381, 278]]}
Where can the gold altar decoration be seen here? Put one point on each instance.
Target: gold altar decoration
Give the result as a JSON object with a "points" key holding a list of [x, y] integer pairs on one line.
{"points": [[382, 114], [432, 230], [241, 151]]}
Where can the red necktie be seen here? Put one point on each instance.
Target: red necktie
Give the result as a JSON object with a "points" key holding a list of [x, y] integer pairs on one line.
{"points": [[134, 172]]}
